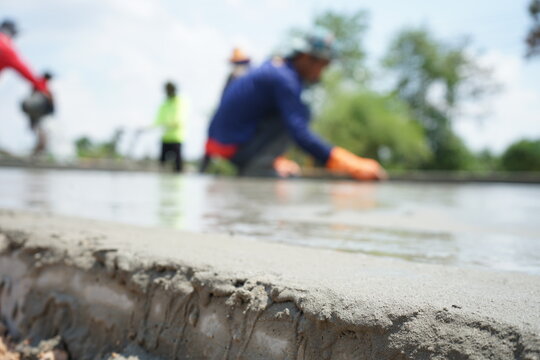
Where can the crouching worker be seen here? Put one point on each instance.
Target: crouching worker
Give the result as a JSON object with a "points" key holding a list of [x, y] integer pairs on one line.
{"points": [[261, 112]]}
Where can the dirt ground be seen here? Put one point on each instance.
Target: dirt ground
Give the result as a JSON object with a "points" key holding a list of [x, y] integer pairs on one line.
{"points": [[45, 350]]}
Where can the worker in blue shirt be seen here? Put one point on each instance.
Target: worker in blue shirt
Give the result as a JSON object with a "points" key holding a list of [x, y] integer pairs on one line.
{"points": [[262, 111], [240, 64]]}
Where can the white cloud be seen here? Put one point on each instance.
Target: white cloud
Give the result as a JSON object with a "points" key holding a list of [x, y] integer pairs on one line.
{"points": [[138, 8], [235, 3]]}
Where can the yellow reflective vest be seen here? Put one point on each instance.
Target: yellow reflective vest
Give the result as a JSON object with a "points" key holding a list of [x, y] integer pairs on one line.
{"points": [[170, 118]]}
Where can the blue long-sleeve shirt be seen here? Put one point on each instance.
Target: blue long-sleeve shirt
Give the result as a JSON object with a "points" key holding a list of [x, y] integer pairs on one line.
{"points": [[273, 89]]}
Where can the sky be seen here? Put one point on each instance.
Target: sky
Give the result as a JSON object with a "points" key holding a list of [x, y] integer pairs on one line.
{"points": [[111, 58]]}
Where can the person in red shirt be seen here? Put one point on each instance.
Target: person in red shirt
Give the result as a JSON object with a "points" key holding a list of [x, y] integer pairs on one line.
{"points": [[9, 58]]}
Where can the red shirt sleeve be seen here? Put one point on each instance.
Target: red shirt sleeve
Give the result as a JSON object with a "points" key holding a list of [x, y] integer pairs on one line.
{"points": [[14, 61]]}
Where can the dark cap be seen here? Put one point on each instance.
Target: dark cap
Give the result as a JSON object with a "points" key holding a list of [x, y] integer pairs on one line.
{"points": [[48, 75], [9, 27], [170, 88]]}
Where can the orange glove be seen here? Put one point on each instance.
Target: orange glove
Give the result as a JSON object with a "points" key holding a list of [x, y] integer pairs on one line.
{"points": [[285, 167], [360, 168]]}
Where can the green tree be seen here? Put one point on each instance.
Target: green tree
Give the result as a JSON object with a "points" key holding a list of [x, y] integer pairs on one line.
{"points": [[486, 161], [523, 155], [374, 125], [533, 38], [450, 153], [436, 78], [86, 148], [349, 30]]}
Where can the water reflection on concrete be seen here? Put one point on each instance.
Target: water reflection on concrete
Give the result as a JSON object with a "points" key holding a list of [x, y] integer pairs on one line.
{"points": [[486, 225]]}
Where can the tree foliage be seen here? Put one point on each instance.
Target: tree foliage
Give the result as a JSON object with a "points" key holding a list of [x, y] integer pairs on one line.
{"points": [[374, 125], [486, 161], [533, 38], [450, 153], [87, 148], [436, 78], [523, 155], [349, 31]]}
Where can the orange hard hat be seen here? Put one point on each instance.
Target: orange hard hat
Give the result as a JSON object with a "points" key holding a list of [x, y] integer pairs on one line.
{"points": [[239, 56]]}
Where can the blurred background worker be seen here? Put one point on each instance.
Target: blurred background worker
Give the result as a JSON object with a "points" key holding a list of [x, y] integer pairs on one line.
{"points": [[240, 63], [37, 106], [9, 58], [169, 118], [261, 111]]}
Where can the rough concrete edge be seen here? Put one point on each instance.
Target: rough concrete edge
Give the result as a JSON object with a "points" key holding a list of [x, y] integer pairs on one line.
{"points": [[447, 335]]}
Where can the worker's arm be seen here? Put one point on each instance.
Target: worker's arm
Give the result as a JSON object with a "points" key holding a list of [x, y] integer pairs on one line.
{"points": [[15, 62], [297, 115]]}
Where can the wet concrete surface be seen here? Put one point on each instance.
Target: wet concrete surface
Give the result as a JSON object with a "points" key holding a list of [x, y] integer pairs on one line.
{"points": [[471, 225]]}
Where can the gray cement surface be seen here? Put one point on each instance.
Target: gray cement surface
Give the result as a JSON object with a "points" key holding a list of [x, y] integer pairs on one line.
{"points": [[157, 293]]}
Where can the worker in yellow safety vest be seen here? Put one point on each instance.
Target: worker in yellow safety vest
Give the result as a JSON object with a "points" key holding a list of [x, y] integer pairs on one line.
{"points": [[170, 119]]}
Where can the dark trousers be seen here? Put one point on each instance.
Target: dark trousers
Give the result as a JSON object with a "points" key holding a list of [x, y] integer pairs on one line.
{"points": [[41, 136], [256, 157], [172, 150]]}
